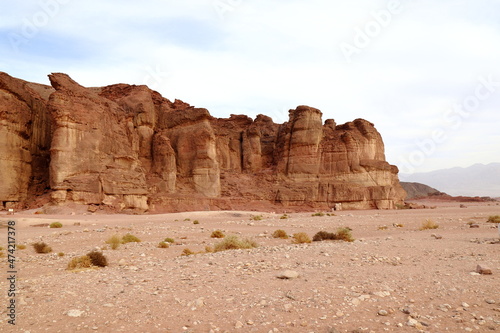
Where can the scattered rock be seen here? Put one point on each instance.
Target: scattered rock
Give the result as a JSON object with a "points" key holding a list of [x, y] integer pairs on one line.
{"points": [[474, 226], [288, 275], [383, 313], [490, 301], [437, 236], [75, 313]]}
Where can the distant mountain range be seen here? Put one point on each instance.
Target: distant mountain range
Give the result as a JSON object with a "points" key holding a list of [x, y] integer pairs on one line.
{"points": [[476, 180]]}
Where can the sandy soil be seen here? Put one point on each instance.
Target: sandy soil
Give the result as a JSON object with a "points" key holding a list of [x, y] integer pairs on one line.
{"points": [[391, 279]]}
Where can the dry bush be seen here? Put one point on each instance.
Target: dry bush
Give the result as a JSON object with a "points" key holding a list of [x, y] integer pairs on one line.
{"points": [[97, 258], [233, 243], [114, 241], [494, 219], [21, 247], [128, 238], [301, 238], [256, 218], [283, 217], [61, 254], [429, 224], [163, 245], [344, 234], [196, 222], [79, 262], [280, 233], [209, 249], [384, 227], [318, 214], [169, 240], [55, 225], [41, 247], [217, 234]]}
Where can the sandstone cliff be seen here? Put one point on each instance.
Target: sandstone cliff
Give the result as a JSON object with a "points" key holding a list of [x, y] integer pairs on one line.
{"points": [[127, 147]]}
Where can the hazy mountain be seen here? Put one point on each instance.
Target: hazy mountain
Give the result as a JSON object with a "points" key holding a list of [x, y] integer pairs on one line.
{"points": [[476, 180]]}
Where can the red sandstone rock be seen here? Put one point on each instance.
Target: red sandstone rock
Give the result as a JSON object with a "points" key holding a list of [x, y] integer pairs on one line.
{"points": [[128, 147]]}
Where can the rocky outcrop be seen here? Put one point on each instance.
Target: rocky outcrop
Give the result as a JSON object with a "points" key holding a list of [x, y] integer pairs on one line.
{"points": [[127, 147]]}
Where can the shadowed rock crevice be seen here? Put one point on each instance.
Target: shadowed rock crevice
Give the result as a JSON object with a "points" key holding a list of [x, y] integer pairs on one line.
{"points": [[127, 147]]}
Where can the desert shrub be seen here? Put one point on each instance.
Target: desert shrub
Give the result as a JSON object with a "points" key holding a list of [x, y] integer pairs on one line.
{"points": [[41, 247], [79, 262], [280, 234], [55, 225], [163, 245], [324, 235], [283, 217], [169, 240], [383, 227], [114, 241], [256, 217], [129, 238], [97, 258], [344, 234], [300, 238], [217, 234], [318, 214], [187, 252], [233, 243], [196, 222], [429, 224], [2, 254], [209, 249], [188, 219], [61, 254], [494, 219], [21, 246], [1, 248]]}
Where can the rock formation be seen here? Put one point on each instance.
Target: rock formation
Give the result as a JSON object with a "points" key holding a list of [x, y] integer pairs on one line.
{"points": [[127, 147]]}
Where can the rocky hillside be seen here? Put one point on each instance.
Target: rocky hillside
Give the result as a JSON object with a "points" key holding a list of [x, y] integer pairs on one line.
{"points": [[126, 147], [417, 190]]}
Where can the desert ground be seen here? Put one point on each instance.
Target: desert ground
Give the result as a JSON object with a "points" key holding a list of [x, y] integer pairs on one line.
{"points": [[393, 278]]}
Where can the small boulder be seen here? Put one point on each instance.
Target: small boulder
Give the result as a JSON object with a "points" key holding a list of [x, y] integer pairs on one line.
{"points": [[484, 270]]}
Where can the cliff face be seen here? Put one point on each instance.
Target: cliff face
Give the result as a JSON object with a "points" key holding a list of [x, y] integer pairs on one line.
{"points": [[127, 147]]}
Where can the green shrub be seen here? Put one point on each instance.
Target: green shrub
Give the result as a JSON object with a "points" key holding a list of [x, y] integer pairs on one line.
{"points": [[163, 245], [79, 262], [128, 238], [233, 243], [494, 219], [280, 234], [114, 241], [323, 235], [169, 240], [97, 258], [301, 238], [56, 225], [41, 247], [318, 214], [429, 224], [217, 234]]}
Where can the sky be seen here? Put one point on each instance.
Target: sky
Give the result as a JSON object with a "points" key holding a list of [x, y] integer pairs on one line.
{"points": [[426, 73]]}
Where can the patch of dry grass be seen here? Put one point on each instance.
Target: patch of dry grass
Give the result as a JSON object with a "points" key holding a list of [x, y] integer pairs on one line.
{"points": [[429, 224], [233, 243], [280, 234], [301, 238]]}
